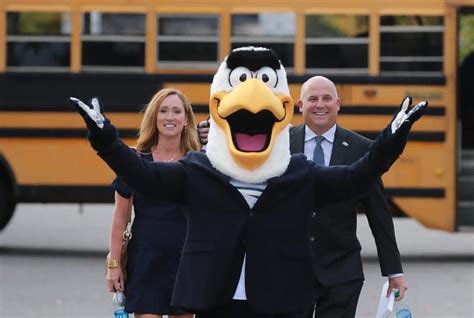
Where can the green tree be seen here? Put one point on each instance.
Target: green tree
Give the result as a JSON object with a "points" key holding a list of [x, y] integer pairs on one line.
{"points": [[466, 37]]}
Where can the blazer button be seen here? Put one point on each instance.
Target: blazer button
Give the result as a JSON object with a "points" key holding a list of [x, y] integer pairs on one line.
{"points": [[313, 214], [252, 213], [312, 238]]}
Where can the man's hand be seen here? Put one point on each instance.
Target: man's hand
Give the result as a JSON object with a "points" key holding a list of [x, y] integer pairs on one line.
{"points": [[203, 131], [397, 283]]}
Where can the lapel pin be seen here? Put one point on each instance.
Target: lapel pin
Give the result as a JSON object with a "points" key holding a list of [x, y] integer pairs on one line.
{"points": [[345, 144]]}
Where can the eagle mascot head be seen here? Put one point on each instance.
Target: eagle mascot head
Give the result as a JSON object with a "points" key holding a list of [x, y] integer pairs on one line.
{"points": [[250, 111]]}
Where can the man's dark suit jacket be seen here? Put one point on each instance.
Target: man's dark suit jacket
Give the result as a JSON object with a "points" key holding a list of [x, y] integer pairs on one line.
{"points": [[336, 248], [222, 228]]}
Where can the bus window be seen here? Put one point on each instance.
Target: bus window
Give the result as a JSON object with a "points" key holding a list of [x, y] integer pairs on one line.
{"points": [[38, 41], [113, 41], [411, 45], [337, 44], [188, 40], [272, 30]]}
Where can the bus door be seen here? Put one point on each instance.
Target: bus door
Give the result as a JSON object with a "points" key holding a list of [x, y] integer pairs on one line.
{"points": [[465, 185]]}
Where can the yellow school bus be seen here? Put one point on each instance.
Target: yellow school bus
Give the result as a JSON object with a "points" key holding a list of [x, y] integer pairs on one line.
{"points": [[124, 50]]}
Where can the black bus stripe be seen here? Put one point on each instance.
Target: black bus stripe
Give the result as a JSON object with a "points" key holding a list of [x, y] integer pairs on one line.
{"points": [[427, 136], [102, 194], [56, 133], [383, 110], [415, 192], [66, 194], [129, 92]]}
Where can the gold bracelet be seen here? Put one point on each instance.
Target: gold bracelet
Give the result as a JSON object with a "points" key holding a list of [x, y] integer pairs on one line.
{"points": [[113, 263]]}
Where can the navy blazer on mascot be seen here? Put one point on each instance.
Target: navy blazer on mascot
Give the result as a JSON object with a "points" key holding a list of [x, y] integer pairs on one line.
{"points": [[247, 252]]}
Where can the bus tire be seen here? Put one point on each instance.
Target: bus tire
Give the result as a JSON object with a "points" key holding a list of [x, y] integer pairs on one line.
{"points": [[7, 205], [7, 194]]}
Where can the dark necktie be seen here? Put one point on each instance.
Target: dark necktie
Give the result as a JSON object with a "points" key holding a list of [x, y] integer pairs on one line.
{"points": [[318, 154]]}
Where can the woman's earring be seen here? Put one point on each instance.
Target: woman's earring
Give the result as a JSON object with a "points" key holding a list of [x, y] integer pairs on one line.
{"points": [[185, 130]]}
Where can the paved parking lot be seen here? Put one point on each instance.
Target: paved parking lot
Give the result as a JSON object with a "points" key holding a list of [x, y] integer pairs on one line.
{"points": [[51, 265]]}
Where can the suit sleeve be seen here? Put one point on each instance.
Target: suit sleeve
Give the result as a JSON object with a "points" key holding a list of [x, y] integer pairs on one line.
{"points": [[336, 183], [381, 224], [164, 180], [122, 188], [340, 183]]}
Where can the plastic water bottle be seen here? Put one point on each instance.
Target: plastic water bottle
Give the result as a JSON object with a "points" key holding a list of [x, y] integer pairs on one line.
{"points": [[118, 301], [401, 308]]}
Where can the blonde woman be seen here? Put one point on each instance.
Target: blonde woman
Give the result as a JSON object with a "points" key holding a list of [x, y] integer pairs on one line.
{"points": [[167, 132]]}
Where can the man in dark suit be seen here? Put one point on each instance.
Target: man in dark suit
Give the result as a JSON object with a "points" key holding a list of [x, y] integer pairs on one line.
{"points": [[337, 262]]}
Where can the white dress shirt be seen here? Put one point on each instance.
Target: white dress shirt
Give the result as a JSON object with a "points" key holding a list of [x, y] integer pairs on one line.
{"points": [[326, 144]]}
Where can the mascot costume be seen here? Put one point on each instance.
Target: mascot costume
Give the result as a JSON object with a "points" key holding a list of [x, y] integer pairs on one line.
{"points": [[247, 251]]}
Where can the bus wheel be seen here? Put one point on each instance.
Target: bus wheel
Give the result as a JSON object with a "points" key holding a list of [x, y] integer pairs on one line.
{"points": [[7, 204]]}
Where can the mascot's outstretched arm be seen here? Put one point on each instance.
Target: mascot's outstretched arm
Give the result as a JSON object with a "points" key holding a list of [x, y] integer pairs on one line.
{"points": [[251, 108], [337, 183], [159, 179]]}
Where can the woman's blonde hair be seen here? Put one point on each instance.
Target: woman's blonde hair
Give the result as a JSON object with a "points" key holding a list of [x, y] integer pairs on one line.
{"points": [[148, 135]]}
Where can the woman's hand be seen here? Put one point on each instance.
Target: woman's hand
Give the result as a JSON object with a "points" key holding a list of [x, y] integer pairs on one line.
{"points": [[115, 279]]}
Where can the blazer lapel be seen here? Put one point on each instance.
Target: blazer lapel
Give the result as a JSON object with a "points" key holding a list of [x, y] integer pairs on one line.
{"points": [[202, 162], [278, 187], [297, 139], [340, 147]]}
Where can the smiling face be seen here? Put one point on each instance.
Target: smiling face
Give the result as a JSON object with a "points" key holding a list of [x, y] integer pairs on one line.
{"points": [[171, 117], [319, 104], [251, 104]]}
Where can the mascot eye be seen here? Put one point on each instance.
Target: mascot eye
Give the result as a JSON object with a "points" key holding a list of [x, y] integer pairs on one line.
{"points": [[239, 75], [268, 76]]}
